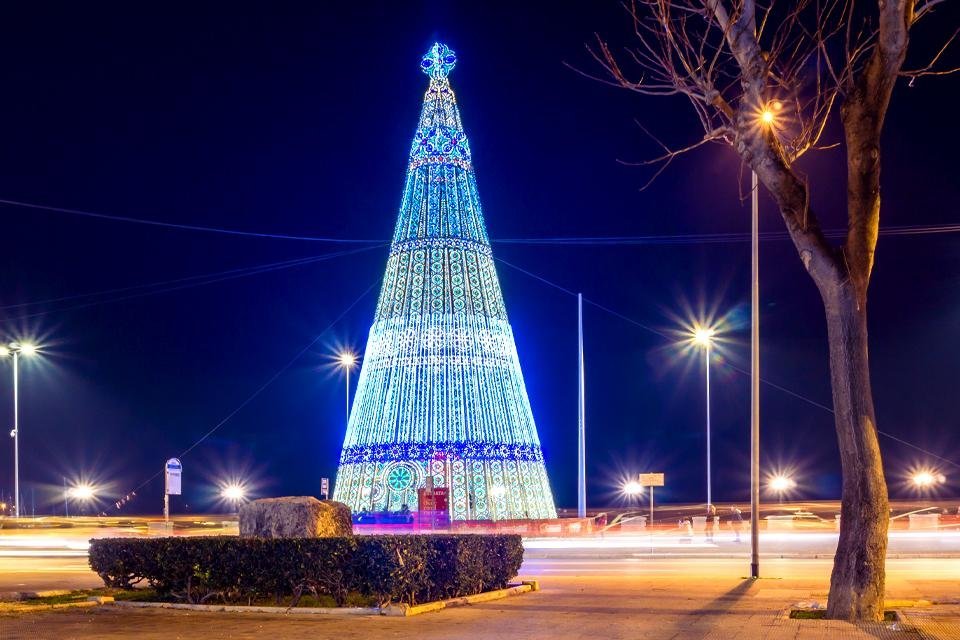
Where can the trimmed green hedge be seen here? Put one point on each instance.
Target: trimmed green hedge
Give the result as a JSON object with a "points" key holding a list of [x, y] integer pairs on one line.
{"points": [[403, 568]]}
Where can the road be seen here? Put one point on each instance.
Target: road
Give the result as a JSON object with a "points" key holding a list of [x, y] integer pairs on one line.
{"points": [[641, 598], [58, 559]]}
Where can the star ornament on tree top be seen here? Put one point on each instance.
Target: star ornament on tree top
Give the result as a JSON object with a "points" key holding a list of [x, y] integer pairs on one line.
{"points": [[439, 61]]}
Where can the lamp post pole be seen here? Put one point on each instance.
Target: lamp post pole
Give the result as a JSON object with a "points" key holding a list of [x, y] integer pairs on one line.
{"points": [[16, 433], [703, 336], [581, 419], [706, 366], [16, 349], [755, 381]]}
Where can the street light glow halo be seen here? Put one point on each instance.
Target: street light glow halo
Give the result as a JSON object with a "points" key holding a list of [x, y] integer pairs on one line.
{"points": [[347, 359], [82, 492], [233, 492], [781, 483], [703, 335], [632, 488], [27, 348]]}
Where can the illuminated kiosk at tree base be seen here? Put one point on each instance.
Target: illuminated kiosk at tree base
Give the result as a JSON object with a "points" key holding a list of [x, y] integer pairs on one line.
{"points": [[440, 392]]}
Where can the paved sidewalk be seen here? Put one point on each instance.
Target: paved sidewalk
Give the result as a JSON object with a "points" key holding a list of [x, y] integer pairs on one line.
{"points": [[709, 604]]}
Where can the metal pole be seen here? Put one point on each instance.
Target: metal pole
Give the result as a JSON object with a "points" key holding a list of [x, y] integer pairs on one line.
{"points": [[581, 439], [755, 383], [166, 495], [16, 434], [348, 397], [706, 364], [651, 505], [66, 508]]}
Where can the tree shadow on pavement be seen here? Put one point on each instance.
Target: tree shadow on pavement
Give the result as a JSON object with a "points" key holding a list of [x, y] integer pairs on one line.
{"points": [[727, 601]]}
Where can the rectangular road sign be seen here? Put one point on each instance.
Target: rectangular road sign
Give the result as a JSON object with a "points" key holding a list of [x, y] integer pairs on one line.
{"points": [[651, 479], [325, 487], [173, 471]]}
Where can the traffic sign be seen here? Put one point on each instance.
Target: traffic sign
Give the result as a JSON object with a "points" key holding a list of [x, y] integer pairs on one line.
{"points": [[173, 471], [651, 479]]}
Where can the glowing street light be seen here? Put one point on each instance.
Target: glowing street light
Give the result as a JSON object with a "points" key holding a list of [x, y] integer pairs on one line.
{"points": [[233, 492], [781, 484], [632, 488], [82, 492], [926, 479], [16, 349], [768, 115], [703, 337]]}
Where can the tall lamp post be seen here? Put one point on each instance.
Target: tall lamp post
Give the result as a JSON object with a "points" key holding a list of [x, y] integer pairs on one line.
{"points": [[16, 349], [704, 337], [768, 120], [347, 360]]}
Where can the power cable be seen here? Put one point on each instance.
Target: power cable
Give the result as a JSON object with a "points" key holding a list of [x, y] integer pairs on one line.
{"points": [[266, 384], [726, 364], [182, 227], [660, 239], [231, 275]]}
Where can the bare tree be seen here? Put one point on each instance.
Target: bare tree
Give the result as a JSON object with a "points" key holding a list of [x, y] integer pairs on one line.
{"points": [[765, 80]]}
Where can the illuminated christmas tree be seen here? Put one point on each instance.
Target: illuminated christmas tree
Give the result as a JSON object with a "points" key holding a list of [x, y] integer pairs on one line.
{"points": [[440, 392]]}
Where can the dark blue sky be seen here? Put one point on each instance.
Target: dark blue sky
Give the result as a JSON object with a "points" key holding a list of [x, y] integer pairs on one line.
{"points": [[297, 120]]}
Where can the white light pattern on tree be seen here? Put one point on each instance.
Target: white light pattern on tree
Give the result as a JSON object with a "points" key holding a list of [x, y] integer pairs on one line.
{"points": [[440, 391]]}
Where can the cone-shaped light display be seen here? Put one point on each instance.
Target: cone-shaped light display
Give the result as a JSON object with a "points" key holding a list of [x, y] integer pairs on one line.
{"points": [[440, 392]]}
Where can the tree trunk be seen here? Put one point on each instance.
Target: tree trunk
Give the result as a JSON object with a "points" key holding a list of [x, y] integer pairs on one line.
{"points": [[857, 581]]}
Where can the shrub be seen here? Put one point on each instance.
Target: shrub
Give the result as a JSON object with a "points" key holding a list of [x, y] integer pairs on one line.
{"points": [[404, 568]]}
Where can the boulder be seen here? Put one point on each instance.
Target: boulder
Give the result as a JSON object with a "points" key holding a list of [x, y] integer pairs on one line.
{"points": [[295, 517]]}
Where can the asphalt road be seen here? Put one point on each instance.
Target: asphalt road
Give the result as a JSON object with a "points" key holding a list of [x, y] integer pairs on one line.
{"points": [[52, 553]]}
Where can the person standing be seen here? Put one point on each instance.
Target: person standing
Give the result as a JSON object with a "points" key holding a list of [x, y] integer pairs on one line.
{"points": [[711, 521], [736, 521]]}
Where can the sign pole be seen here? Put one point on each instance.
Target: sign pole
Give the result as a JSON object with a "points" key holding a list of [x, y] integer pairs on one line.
{"points": [[172, 472], [651, 506]]}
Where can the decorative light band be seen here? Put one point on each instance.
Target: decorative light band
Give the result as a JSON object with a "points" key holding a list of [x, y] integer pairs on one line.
{"points": [[442, 243], [400, 451]]}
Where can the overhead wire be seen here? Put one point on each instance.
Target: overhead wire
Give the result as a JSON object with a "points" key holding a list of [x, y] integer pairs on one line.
{"points": [[270, 380], [626, 240], [181, 226], [731, 366], [179, 283]]}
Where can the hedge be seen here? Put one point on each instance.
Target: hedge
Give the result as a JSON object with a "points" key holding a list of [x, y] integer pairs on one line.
{"points": [[401, 568]]}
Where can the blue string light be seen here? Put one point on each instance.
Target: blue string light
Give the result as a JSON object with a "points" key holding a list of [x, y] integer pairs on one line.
{"points": [[441, 393]]}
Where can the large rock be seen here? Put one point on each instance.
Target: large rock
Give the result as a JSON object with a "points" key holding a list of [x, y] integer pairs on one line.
{"points": [[295, 517]]}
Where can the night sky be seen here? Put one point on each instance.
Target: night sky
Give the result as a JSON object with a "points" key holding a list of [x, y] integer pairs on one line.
{"points": [[297, 120]]}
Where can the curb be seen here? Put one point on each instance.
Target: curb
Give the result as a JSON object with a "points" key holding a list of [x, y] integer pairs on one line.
{"points": [[396, 610], [406, 610], [236, 608]]}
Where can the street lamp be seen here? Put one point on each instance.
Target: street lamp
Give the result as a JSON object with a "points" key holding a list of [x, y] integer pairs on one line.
{"points": [[927, 479], [16, 349], [82, 492], [767, 120], [703, 337], [631, 489], [347, 360], [781, 484]]}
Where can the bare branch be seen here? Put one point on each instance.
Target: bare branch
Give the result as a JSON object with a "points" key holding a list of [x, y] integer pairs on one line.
{"points": [[929, 70]]}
